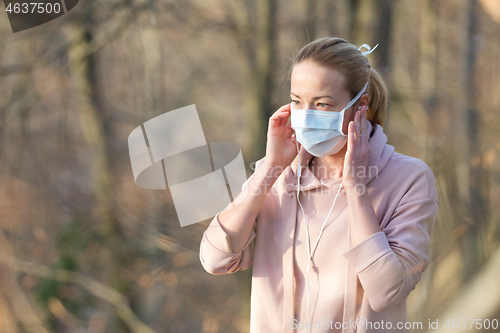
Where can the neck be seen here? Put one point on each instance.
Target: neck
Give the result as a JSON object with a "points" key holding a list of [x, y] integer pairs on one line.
{"points": [[329, 167]]}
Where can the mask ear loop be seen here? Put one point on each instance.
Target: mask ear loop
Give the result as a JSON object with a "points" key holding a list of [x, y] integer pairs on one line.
{"points": [[355, 99]]}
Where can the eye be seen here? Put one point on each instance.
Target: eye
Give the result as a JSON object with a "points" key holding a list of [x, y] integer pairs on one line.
{"points": [[296, 102], [323, 105]]}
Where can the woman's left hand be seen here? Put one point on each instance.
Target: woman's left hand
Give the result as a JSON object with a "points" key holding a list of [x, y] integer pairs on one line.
{"points": [[356, 157]]}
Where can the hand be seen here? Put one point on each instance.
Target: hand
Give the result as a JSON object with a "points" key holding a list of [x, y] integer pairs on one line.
{"points": [[281, 146], [356, 157]]}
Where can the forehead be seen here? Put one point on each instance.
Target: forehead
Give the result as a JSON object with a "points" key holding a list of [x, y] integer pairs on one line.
{"points": [[308, 79]]}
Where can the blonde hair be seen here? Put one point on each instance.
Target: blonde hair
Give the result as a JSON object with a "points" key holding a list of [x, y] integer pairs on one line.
{"points": [[337, 53]]}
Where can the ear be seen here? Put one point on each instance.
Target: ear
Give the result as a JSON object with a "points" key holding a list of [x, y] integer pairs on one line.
{"points": [[364, 100]]}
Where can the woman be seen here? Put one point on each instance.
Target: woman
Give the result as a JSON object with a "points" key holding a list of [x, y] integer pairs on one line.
{"points": [[362, 217]]}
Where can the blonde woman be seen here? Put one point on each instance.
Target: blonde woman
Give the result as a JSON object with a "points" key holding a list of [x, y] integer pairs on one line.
{"points": [[336, 223]]}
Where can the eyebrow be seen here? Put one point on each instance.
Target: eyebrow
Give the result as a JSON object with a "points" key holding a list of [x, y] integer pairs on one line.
{"points": [[314, 98]]}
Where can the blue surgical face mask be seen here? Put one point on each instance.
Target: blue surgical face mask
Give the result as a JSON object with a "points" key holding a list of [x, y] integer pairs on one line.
{"points": [[320, 132]]}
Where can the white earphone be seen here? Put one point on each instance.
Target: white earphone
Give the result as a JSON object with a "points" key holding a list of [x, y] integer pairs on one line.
{"points": [[310, 254]]}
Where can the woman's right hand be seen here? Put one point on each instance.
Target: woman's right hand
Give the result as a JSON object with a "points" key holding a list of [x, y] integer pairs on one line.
{"points": [[281, 146]]}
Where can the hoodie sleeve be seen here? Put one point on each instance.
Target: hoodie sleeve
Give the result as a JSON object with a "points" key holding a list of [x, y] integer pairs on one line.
{"points": [[217, 256], [390, 263]]}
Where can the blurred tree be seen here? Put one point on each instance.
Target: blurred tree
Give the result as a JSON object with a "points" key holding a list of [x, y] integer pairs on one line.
{"points": [[383, 35], [311, 20], [474, 256], [263, 70]]}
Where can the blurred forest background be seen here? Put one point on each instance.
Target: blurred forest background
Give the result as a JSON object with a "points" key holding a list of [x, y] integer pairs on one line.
{"points": [[84, 249]]}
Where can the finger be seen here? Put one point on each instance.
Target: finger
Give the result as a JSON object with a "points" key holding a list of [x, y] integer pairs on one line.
{"points": [[277, 117], [357, 122], [364, 126], [285, 116], [282, 111], [283, 119], [365, 121], [350, 135], [282, 114], [274, 122]]}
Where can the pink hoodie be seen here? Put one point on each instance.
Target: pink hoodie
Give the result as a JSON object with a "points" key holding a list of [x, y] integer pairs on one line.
{"points": [[357, 289]]}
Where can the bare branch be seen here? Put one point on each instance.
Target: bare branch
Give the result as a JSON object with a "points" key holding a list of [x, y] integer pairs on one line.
{"points": [[95, 288]]}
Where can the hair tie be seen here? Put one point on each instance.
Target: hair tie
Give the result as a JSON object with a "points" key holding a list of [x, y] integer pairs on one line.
{"points": [[366, 46]]}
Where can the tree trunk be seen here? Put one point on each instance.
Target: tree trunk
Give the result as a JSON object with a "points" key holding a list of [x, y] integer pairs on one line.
{"points": [[354, 9], [97, 131], [382, 36], [473, 256], [262, 76], [311, 19]]}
